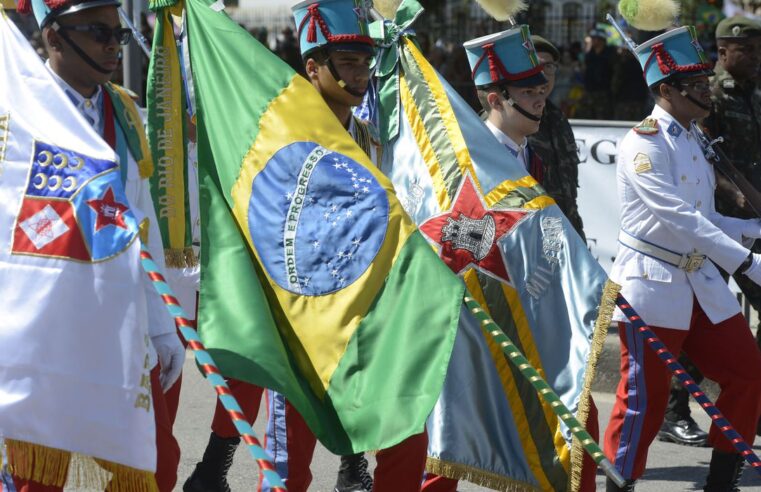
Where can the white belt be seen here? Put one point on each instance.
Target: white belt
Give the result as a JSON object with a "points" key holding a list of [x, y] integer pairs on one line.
{"points": [[687, 262]]}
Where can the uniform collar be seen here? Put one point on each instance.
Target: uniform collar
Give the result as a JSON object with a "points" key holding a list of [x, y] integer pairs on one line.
{"points": [[90, 107], [669, 124], [505, 140]]}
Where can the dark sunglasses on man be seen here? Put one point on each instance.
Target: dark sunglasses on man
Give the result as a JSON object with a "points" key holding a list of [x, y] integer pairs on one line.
{"points": [[101, 32]]}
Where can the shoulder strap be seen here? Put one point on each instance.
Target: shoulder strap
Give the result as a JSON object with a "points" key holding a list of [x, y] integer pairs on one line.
{"points": [[362, 136], [131, 123]]}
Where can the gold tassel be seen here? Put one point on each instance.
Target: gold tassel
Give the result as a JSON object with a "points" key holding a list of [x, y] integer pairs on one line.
{"points": [[604, 318], [180, 257], [59, 468], [483, 478]]}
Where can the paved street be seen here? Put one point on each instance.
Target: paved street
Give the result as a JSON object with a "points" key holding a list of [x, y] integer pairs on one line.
{"points": [[670, 467]]}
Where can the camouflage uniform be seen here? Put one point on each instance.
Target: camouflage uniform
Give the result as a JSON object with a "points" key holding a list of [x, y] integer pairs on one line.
{"points": [[736, 116], [556, 145]]}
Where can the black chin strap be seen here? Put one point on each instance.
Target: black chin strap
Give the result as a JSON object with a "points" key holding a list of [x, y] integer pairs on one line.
{"points": [[694, 101], [80, 51], [517, 107], [341, 82]]}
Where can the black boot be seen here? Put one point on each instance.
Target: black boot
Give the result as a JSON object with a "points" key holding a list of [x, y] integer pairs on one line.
{"points": [[678, 426], [210, 475], [724, 472], [353, 475], [610, 486]]}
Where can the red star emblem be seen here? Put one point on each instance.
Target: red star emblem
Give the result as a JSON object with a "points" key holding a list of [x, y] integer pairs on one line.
{"points": [[108, 211], [467, 234]]}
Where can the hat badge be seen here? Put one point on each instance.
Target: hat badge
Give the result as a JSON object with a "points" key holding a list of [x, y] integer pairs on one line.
{"points": [[736, 30]]}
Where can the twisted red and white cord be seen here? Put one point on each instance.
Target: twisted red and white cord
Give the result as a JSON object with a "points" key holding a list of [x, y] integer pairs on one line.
{"points": [[678, 370], [211, 371]]}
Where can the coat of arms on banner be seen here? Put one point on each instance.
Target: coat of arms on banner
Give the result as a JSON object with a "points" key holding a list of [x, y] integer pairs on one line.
{"points": [[74, 207]]}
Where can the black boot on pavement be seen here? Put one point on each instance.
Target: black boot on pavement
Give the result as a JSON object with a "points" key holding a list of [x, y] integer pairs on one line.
{"points": [[353, 475], [610, 486], [678, 426], [210, 474], [724, 472], [685, 432]]}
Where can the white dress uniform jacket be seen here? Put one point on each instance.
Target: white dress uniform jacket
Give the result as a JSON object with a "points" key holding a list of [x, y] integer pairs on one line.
{"points": [[666, 188], [137, 190]]}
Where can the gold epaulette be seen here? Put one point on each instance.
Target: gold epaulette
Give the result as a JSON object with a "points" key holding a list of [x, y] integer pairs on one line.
{"points": [[648, 126]]}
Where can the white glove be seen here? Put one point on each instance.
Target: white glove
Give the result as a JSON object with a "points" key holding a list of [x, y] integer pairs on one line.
{"points": [[171, 356], [752, 229], [754, 270]]}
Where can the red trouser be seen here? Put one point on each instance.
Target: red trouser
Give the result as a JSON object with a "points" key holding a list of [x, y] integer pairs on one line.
{"points": [[725, 353], [291, 444], [437, 483], [167, 449], [249, 397]]}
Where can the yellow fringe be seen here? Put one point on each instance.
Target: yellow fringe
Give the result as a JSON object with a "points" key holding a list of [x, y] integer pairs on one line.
{"points": [[180, 257], [41, 464], [477, 476], [59, 468], [604, 318]]}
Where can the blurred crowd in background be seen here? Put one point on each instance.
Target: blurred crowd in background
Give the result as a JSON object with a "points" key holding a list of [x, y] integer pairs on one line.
{"points": [[597, 77]]}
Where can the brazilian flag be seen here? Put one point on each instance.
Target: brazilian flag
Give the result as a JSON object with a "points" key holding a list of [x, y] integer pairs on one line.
{"points": [[315, 282]]}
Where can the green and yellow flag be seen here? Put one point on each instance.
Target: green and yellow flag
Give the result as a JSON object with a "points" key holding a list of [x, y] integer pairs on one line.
{"points": [[314, 281], [167, 132]]}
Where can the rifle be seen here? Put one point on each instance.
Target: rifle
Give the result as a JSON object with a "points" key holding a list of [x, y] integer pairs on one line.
{"points": [[721, 162], [712, 152]]}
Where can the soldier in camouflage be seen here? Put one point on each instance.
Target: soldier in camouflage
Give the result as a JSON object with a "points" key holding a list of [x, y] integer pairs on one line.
{"points": [[556, 145], [736, 116]]}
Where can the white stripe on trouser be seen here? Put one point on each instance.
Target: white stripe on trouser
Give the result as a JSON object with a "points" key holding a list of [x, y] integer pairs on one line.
{"points": [[276, 440]]}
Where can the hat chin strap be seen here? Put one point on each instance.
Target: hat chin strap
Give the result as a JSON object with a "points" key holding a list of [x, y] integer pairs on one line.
{"points": [[694, 101], [80, 51], [517, 107], [343, 85]]}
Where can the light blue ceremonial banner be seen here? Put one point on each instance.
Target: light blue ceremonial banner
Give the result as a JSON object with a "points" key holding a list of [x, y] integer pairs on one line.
{"points": [[494, 225]]}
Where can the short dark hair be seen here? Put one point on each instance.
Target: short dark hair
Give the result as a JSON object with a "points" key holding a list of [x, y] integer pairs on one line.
{"points": [[320, 56], [483, 95]]}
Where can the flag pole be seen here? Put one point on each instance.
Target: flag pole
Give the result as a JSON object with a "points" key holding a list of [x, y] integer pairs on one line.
{"points": [[136, 34], [683, 376], [545, 391], [210, 369]]}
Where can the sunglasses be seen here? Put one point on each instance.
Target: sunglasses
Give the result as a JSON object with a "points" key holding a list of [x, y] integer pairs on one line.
{"points": [[697, 86], [102, 33]]}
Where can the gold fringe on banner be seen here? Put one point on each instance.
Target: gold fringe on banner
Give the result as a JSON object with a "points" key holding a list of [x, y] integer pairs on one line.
{"points": [[604, 318], [58, 468], [477, 476], [180, 257]]}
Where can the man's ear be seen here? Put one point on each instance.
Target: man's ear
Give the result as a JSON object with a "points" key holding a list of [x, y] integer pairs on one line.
{"points": [[722, 52], [52, 39], [494, 100], [666, 91], [311, 68]]}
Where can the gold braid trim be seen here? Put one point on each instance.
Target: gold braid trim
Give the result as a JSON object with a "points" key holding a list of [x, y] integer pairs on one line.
{"points": [[180, 257], [604, 318], [363, 136], [490, 480], [59, 468]]}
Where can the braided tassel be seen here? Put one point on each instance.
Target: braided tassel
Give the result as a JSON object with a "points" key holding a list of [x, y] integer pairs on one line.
{"points": [[211, 371], [314, 12], [676, 368]]}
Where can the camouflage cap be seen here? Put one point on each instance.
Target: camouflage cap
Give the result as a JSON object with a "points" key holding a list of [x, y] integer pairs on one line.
{"points": [[541, 44], [737, 27]]}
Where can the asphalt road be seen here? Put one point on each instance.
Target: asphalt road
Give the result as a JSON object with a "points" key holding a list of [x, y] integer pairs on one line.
{"points": [[670, 467]]}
